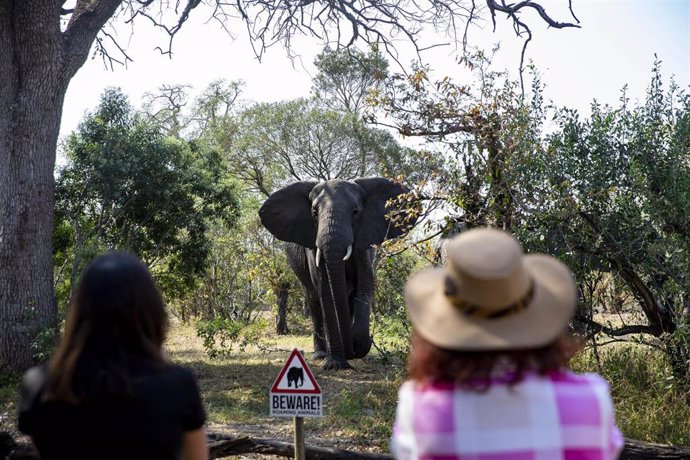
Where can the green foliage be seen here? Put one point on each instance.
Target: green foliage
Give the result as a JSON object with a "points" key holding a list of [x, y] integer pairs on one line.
{"points": [[222, 335], [346, 77], [391, 274], [301, 140], [127, 186], [390, 325], [472, 132], [245, 267], [44, 343], [609, 195]]}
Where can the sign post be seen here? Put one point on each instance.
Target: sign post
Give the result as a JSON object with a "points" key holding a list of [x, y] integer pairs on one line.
{"points": [[295, 393], [299, 439]]}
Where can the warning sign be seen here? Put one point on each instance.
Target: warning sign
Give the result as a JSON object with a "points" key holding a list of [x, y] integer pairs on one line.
{"points": [[295, 392]]}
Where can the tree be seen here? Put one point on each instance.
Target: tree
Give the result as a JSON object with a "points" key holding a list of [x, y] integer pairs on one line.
{"points": [[300, 140], [127, 186], [608, 195], [611, 198], [43, 45], [473, 132], [346, 77], [166, 108]]}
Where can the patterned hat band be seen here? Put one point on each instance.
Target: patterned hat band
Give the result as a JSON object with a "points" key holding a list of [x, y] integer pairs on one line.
{"points": [[480, 311]]}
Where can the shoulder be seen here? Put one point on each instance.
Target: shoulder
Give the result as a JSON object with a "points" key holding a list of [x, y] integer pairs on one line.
{"points": [[188, 397], [180, 377], [571, 379], [181, 372]]}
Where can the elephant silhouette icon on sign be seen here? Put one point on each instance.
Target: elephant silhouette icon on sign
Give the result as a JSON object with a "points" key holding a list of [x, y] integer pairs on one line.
{"points": [[294, 374]]}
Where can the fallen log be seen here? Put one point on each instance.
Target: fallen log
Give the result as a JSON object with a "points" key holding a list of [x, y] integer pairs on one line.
{"points": [[227, 446], [221, 445], [638, 450]]}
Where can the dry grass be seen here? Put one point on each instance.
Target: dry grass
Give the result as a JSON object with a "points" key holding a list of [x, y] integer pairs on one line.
{"points": [[358, 404]]}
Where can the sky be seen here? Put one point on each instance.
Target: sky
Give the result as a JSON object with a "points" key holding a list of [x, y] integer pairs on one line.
{"points": [[615, 46]]}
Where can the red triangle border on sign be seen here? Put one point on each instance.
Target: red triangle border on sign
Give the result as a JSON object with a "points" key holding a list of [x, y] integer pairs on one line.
{"points": [[310, 376]]}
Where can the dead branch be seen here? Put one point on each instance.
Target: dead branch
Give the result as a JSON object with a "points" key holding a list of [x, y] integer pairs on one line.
{"points": [[343, 22], [520, 27], [595, 327], [227, 446]]}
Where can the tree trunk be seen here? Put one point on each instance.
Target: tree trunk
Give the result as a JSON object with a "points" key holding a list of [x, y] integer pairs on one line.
{"points": [[37, 61], [32, 88], [282, 292]]}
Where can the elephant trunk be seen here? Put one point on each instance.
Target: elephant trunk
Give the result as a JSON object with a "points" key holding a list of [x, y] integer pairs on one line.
{"points": [[337, 315], [334, 248]]}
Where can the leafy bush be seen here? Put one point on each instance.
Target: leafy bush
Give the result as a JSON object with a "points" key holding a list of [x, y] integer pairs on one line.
{"points": [[221, 336]]}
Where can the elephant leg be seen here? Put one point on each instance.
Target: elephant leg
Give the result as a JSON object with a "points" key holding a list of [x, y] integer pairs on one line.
{"points": [[361, 302], [299, 260], [319, 334]]}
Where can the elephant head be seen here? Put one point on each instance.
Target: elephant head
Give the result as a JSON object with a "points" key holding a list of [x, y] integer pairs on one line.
{"points": [[337, 222]]}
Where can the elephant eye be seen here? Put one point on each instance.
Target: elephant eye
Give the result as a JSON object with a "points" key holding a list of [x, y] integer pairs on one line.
{"points": [[355, 212], [314, 212]]}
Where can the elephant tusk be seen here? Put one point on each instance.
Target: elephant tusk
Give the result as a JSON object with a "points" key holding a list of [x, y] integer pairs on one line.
{"points": [[348, 253], [318, 256]]}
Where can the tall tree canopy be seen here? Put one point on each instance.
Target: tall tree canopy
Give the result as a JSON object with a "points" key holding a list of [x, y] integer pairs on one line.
{"points": [[346, 78], [42, 46], [127, 186], [607, 194]]}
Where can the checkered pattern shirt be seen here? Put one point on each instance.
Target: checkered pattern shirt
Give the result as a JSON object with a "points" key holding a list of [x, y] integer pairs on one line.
{"points": [[560, 416]]}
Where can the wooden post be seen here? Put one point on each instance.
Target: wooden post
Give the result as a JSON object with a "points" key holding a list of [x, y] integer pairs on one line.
{"points": [[299, 438]]}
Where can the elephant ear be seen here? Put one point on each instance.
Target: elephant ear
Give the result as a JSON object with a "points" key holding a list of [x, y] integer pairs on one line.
{"points": [[375, 226], [287, 214]]}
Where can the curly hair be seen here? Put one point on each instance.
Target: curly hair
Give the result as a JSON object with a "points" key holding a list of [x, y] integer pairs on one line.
{"points": [[476, 370]]}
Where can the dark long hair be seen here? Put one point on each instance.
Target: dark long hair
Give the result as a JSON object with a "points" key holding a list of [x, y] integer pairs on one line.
{"points": [[476, 370], [117, 315]]}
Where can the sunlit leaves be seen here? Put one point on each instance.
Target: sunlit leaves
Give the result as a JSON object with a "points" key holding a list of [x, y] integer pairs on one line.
{"points": [[127, 186]]}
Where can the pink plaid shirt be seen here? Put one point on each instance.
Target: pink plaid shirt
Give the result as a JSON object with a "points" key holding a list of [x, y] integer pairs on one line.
{"points": [[561, 416]]}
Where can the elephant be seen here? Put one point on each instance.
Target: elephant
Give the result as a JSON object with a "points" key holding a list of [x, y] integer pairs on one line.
{"points": [[294, 374], [329, 228]]}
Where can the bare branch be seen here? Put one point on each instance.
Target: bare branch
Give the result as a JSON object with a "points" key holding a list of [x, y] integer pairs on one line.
{"points": [[87, 20], [596, 327], [512, 10], [570, 7], [107, 57]]}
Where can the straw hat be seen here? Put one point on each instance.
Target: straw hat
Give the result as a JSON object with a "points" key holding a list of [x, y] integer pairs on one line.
{"points": [[490, 296]]}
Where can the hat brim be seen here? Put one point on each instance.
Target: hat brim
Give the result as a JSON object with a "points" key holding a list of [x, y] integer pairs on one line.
{"points": [[544, 319]]}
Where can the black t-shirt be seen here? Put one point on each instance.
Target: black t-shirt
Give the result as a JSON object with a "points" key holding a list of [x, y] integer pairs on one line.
{"points": [[149, 424]]}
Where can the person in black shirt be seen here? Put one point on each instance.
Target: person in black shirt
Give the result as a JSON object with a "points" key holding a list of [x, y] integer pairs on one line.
{"points": [[108, 392]]}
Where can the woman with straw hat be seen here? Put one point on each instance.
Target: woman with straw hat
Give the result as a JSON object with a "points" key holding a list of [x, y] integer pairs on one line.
{"points": [[488, 369]]}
